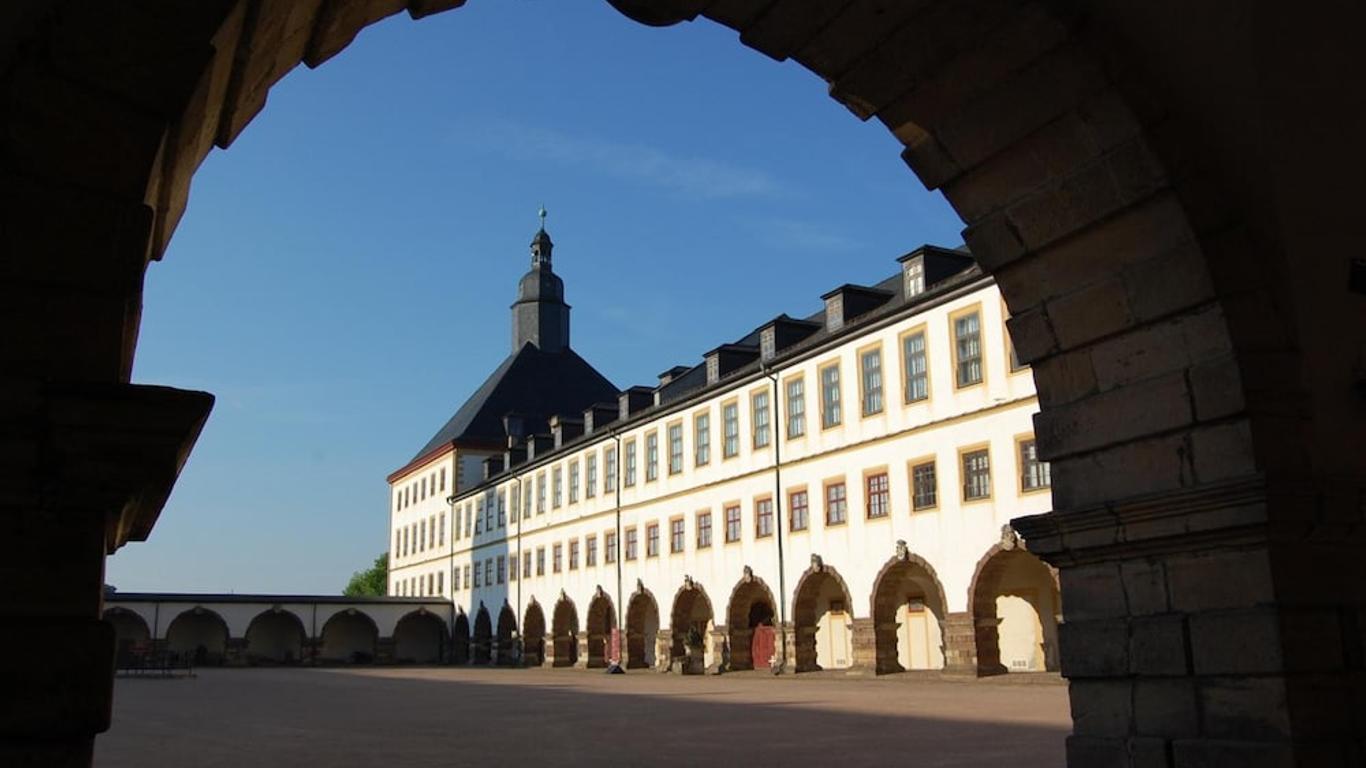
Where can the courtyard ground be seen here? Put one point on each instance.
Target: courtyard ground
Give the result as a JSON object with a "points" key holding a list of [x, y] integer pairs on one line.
{"points": [[461, 716]]}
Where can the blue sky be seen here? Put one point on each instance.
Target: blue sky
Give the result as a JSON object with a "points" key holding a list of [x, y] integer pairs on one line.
{"points": [[342, 278]]}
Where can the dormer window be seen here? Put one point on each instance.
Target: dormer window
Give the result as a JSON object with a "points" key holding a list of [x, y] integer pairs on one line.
{"points": [[915, 278], [768, 346]]}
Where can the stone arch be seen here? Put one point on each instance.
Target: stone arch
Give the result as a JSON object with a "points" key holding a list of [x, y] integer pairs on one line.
{"points": [[1061, 140], [420, 638], [533, 635], [481, 643], [130, 633], [198, 634], [564, 633], [505, 640], [460, 639], [642, 628], [909, 612], [601, 620], [1015, 605], [349, 637], [751, 605], [692, 609], [822, 618], [275, 636]]}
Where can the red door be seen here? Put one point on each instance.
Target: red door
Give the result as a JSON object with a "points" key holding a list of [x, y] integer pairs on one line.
{"points": [[761, 647], [614, 647]]}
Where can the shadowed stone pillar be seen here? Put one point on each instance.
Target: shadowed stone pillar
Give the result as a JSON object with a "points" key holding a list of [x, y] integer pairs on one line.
{"points": [[384, 650], [582, 661], [720, 650], [865, 645], [960, 644], [884, 636], [663, 641]]}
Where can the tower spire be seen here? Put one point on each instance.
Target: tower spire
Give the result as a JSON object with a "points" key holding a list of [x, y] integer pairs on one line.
{"points": [[541, 245]]}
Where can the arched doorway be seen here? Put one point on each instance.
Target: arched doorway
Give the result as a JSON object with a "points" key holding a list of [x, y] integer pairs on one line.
{"points": [[349, 637], [822, 614], [533, 635], [506, 639], [750, 624], [564, 633], [1015, 607], [642, 627], [200, 635], [482, 642], [602, 619], [691, 614], [275, 637], [130, 634], [420, 638], [460, 639], [908, 615]]}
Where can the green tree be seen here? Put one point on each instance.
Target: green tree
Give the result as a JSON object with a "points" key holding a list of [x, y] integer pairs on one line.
{"points": [[371, 582]]}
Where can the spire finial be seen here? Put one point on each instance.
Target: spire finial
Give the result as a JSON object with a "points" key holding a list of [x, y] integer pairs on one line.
{"points": [[542, 215]]}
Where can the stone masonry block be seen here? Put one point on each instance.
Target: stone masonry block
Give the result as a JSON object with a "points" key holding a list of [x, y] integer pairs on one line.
{"points": [[1212, 753], [994, 242], [1090, 313], [1096, 477], [1217, 387], [1065, 378], [1217, 580], [1093, 592], [1032, 335], [1094, 648], [1253, 708], [1097, 752], [1166, 707], [1145, 586], [1157, 646], [1175, 280], [1120, 415], [1223, 452], [1102, 707], [1149, 752]]}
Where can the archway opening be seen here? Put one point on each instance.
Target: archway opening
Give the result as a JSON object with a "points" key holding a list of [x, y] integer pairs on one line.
{"points": [[131, 635], [199, 635], [908, 617], [1015, 611], [823, 622], [275, 637], [533, 636], [419, 638], [506, 639], [749, 619], [482, 643], [602, 619], [349, 637], [460, 640], [642, 629], [565, 633], [692, 613]]}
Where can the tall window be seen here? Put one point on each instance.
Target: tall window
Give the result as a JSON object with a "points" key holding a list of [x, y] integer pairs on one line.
{"points": [[540, 561], [467, 577], [609, 470], [526, 501], [422, 536], [798, 510], [609, 547], [573, 554], [924, 486], [675, 448], [916, 372], [590, 551], [488, 511], [502, 568], [441, 536], [1034, 474], [701, 438], [630, 478], [676, 535], [703, 530], [836, 504], [652, 456], [455, 579], [557, 562], [870, 366], [733, 523], [512, 567], [796, 407], [516, 506], [631, 543], [573, 482], [526, 562], [759, 418], [443, 478], [730, 417], [976, 475], [558, 475], [502, 509], [876, 495], [540, 494], [479, 517], [830, 396], [652, 540], [763, 518], [967, 344], [477, 578], [915, 278], [590, 483], [488, 572]]}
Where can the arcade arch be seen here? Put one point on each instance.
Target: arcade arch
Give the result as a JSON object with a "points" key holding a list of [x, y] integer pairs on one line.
{"points": [[419, 638], [642, 628], [564, 633], [691, 611], [505, 641], [482, 642], [908, 615], [602, 619], [750, 619], [533, 635], [1015, 606], [460, 639], [275, 636], [130, 632], [822, 615], [200, 635], [349, 637]]}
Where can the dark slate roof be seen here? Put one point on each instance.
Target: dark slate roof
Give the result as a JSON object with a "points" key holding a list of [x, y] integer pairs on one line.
{"points": [[532, 383]]}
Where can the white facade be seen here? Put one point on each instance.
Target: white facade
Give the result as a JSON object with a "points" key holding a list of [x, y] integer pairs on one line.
{"points": [[944, 542]]}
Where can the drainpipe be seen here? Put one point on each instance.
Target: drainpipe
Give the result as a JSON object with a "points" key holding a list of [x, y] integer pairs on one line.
{"points": [[450, 562], [517, 631], [778, 517], [616, 457]]}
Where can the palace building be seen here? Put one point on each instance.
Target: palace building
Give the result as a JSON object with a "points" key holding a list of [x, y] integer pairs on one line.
{"points": [[825, 492]]}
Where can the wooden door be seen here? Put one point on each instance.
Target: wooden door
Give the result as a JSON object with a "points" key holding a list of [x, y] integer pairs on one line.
{"points": [[761, 646]]}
